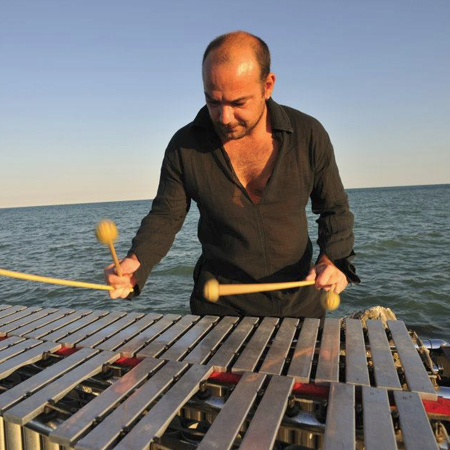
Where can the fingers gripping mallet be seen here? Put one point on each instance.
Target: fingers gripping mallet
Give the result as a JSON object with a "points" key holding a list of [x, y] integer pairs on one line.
{"points": [[213, 290], [106, 232]]}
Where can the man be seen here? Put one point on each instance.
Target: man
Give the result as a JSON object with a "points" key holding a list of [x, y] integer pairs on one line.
{"points": [[250, 165]]}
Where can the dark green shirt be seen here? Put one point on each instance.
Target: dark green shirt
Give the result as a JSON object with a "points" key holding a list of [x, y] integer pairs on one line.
{"points": [[243, 241]]}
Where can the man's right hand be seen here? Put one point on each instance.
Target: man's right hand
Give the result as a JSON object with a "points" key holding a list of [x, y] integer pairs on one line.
{"points": [[122, 285]]}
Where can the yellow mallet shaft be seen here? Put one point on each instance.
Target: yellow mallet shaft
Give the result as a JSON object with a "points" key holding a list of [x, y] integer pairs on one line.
{"points": [[213, 290], [30, 277]]}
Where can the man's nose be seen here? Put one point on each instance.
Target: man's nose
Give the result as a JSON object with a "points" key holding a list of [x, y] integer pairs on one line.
{"points": [[226, 114]]}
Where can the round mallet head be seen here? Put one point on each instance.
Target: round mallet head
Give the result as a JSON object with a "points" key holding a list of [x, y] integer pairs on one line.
{"points": [[331, 300], [211, 290], [106, 231]]}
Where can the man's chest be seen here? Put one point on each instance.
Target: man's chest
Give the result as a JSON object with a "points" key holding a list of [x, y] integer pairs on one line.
{"points": [[253, 165]]}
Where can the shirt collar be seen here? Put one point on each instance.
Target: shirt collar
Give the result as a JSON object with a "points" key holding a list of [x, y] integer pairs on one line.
{"points": [[278, 118]]}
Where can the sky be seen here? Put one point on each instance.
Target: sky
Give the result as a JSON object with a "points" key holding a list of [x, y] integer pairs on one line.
{"points": [[91, 91]]}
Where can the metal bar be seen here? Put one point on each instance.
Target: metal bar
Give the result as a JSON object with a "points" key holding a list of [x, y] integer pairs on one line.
{"points": [[108, 431], [383, 364], [128, 333], [328, 364], [18, 315], [85, 332], [27, 357], [183, 345], [28, 387], [250, 356], [415, 373], [378, 426], [105, 333], [340, 422], [20, 347], [356, 371], [159, 417], [78, 424], [7, 329], [29, 408], [9, 311], [416, 429], [42, 322], [166, 339], [276, 356], [206, 347], [224, 355], [130, 348], [74, 326], [8, 342], [264, 425], [39, 333]]}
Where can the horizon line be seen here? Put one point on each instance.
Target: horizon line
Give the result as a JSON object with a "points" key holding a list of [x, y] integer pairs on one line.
{"points": [[151, 199]]}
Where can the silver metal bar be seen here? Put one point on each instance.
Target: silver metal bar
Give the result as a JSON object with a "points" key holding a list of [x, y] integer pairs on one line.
{"points": [[378, 426], [90, 329], [58, 314], [159, 417], [105, 333], [74, 326], [383, 364], [355, 354], [128, 333], [264, 425], [40, 332], [300, 367], [130, 348], [275, 359], [18, 348], [415, 373], [226, 425], [340, 422], [183, 345], [108, 431], [9, 311], [32, 406], [28, 387], [26, 320], [328, 364], [166, 339], [416, 429], [206, 347], [250, 356], [224, 355], [27, 357], [78, 424]]}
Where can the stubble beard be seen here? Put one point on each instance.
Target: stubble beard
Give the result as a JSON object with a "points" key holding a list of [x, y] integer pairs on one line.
{"points": [[226, 134]]}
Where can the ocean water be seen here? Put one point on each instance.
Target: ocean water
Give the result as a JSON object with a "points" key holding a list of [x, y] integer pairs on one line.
{"points": [[402, 245]]}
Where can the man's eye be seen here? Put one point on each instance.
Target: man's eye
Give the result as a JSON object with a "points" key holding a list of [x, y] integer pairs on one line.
{"points": [[238, 104]]}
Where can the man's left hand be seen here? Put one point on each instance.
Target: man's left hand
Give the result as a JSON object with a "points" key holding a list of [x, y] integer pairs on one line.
{"points": [[327, 275]]}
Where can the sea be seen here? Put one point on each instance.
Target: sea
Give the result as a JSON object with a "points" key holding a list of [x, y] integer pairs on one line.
{"points": [[402, 242]]}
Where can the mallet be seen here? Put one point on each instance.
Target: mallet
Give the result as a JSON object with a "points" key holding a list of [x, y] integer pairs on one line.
{"points": [[31, 277], [106, 232], [213, 290]]}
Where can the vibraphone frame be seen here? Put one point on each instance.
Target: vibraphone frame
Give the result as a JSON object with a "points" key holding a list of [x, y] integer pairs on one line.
{"points": [[99, 380]]}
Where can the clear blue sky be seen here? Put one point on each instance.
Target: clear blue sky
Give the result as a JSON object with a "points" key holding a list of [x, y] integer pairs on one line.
{"points": [[92, 91]]}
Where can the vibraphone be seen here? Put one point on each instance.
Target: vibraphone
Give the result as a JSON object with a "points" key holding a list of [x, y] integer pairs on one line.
{"points": [[99, 380]]}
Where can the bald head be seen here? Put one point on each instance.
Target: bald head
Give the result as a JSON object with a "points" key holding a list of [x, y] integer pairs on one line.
{"points": [[230, 47]]}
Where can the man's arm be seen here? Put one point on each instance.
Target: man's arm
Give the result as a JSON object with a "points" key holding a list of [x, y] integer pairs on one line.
{"points": [[335, 223], [157, 231]]}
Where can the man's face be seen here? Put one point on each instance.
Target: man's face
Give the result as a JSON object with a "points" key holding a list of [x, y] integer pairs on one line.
{"points": [[235, 96]]}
